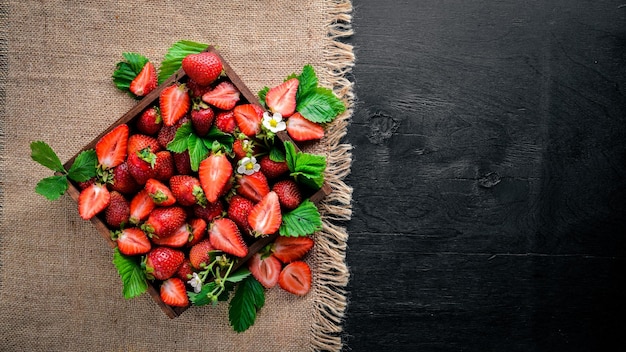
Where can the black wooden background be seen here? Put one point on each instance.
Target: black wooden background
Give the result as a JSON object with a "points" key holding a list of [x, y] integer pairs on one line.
{"points": [[489, 176]]}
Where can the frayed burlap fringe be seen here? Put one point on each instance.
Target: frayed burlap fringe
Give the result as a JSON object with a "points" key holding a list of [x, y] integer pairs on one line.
{"points": [[331, 242]]}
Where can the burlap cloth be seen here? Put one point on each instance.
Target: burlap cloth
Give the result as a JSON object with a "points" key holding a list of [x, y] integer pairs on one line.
{"points": [[59, 290]]}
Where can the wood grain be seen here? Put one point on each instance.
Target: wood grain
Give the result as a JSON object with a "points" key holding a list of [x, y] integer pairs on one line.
{"points": [[489, 176]]}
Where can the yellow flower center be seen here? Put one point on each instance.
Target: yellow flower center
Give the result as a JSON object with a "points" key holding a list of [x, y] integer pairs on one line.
{"points": [[249, 166], [273, 123]]}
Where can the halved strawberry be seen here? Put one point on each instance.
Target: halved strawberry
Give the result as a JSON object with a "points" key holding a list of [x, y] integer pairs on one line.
{"points": [[225, 236], [111, 148], [132, 241], [282, 98], [248, 117], [140, 207], [93, 200], [204, 67], [178, 239], [296, 278], [266, 269], [289, 249], [150, 121], [174, 103], [163, 262], [265, 218], [160, 193], [214, 173], [224, 96], [163, 222], [174, 292], [253, 187], [301, 129], [198, 228], [145, 81]]}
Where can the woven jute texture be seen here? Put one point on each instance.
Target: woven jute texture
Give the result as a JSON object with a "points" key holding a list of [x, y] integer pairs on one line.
{"points": [[59, 290]]}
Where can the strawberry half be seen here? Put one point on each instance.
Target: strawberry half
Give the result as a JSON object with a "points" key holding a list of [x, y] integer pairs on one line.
{"points": [[145, 81], [214, 173], [225, 236], [302, 130], [248, 117], [266, 269], [163, 262], [174, 293], [265, 218], [160, 193], [253, 187], [132, 241], [203, 68], [296, 278], [198, 228], [178, 239], [140, 207], [174, 103], [92, 200], [289, 249], [282, 98], [224, 96], [111, 148]]}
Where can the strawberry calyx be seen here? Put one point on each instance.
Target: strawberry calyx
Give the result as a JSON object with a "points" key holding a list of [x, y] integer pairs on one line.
{"points": [[148, 156]]}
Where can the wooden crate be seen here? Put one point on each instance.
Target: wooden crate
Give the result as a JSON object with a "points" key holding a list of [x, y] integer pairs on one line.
{"points": [[130, 117]]}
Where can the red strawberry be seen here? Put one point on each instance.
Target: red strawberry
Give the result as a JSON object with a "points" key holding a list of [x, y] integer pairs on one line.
{"points": [[178, 239], [202, 120], [225, 236], [182, 163], [266, 269], [163, 222], [301, 129], [132, 241], [253, 187], [225, 121], [145, 81], [187, 190], [85, 184], [238, 211], [164, 165], [138, 142], [174, 293], [111, 148], [150, 121], [141, 166], [204, 67], [140, 207], [282, 98], [199, 254], [123, 181], [163, 262], [289, 249], [214, 173], [92, 200], [273, 169], [174, 103], [224, 96], [296, 278], [289, 194], [198, 231], [248, 117], [209, 212], [160, 193], [197, 90], [118, 211], [185, 272], [265, 218]]}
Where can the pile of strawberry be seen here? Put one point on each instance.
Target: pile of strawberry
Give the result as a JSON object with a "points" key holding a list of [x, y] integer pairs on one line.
{"points": [[189, 185]]}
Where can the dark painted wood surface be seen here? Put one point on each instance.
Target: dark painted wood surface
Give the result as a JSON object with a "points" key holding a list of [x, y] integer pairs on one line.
{"points": [[489, 176]]}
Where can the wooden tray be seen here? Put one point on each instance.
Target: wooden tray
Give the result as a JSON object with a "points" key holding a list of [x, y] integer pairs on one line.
{"points": [[130, 117]]}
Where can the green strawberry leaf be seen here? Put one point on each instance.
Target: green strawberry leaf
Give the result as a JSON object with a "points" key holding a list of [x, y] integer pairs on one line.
{"points": [[262, 95], [307, 82], [306, 168], [276, 155], [320, 105], [239, 275], [132, 274], [302, 221], [225, 140], [52, 187], [197, 151], [180, 143], [126, 71], [84, 166], [249, 298], [174, 57], [42, 153]]}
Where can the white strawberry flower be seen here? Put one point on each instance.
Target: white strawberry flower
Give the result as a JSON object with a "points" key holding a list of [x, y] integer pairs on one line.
{"points": [[195, 282], [274, 123], [248, 166]]}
